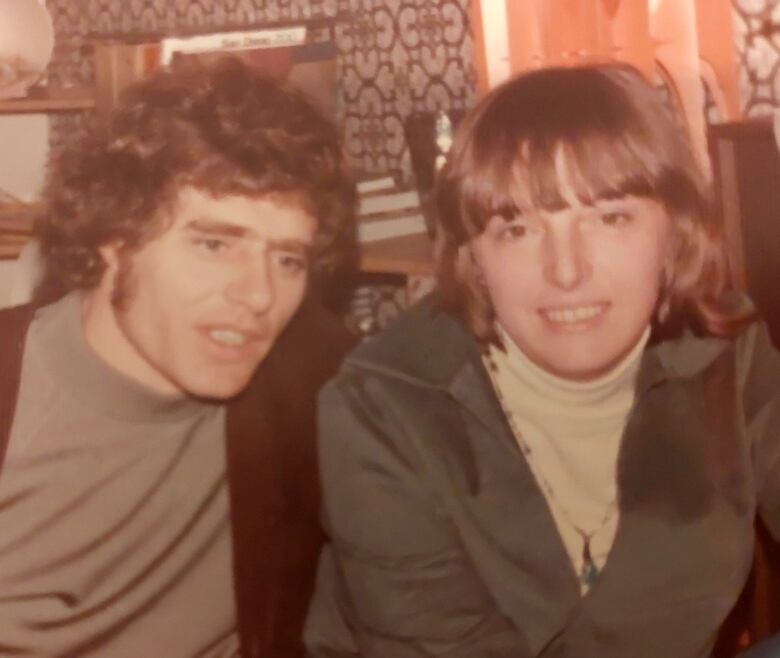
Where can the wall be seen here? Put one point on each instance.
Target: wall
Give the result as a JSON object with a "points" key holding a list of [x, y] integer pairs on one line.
{"points": [[395, 57], [25, 139], [757, 29]]}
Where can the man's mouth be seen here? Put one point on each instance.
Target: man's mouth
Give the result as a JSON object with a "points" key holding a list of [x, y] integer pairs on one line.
{"points": [[229, 337], [232, 337], [570, 315]]}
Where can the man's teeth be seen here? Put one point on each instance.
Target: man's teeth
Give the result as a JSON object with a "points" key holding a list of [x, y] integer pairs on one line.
{"points": [[577, 314], [228, 337]]}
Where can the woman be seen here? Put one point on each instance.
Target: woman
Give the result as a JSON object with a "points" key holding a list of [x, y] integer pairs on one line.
{"points": [[562, 453]]}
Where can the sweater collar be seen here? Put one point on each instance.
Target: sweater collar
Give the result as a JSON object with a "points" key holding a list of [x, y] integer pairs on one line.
{"points": [[83, 374]]}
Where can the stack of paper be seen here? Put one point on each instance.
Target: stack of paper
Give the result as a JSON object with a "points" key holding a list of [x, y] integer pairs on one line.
{"points": [[384, 211]]}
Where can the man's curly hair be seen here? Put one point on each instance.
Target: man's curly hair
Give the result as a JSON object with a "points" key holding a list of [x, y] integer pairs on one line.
{"points": [[225, 128]]}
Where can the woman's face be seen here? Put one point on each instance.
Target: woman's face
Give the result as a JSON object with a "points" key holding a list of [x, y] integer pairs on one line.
{"points": [[575, 288]]}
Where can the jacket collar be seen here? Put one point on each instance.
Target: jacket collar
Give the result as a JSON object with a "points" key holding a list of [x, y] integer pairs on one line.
{"points": [[662, 472], [446, 355]]}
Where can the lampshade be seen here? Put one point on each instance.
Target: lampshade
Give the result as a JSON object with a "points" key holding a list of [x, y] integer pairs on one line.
{"points": [[26, 43]]}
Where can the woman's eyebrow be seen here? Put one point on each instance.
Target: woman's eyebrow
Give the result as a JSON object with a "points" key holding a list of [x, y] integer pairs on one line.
{"points": [[506, 210]]}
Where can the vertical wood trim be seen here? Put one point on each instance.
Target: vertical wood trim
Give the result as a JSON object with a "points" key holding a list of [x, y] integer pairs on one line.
{"points": [[732, 221]]}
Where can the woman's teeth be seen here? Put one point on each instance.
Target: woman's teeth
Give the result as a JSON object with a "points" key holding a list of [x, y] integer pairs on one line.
{"points": [[573, 314]]}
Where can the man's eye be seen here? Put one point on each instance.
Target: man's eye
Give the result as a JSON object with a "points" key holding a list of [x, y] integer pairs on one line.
{"points": [[616, 217], [292, 263], [211, 245]]}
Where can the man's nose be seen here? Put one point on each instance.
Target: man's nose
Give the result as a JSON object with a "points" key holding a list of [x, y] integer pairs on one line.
{"points": [[252, 287], [566, 262]]}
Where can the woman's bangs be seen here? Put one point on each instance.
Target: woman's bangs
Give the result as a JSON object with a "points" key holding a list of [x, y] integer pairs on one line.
{"points": [[599, 167], [487, 190]]}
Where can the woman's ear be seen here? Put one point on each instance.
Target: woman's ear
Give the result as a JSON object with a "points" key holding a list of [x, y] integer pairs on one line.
{"points": [[469, 265], [666, 285]]}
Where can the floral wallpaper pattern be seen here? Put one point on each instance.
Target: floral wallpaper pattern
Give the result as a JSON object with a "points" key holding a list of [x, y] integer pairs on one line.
{"points": [[396, 57], [757, 31]]}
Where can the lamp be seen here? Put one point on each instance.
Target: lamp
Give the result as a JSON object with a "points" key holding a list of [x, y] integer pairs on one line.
{"points": [[26, 44]]}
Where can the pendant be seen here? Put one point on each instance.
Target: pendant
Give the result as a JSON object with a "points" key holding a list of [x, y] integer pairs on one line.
{"points": [[589, 571]]}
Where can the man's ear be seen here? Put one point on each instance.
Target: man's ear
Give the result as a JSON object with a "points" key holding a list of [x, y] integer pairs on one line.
{"points": [[110, 255]]}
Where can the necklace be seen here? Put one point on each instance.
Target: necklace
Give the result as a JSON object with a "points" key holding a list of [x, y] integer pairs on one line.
{"points": [[588, 571]]}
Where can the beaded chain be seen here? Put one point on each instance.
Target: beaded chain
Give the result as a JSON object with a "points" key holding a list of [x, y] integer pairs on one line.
{"points": [[589, 571]]}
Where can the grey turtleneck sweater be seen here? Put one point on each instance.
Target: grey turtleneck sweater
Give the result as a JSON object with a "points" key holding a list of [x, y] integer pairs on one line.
{"points": [[114, 527]]}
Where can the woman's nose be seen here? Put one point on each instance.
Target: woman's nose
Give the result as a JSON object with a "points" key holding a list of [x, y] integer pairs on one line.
{"points": [[566, 263]]}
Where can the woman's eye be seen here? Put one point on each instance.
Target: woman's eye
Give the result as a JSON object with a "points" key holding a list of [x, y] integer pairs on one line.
{"points": [[616, 217], [513, 231]]}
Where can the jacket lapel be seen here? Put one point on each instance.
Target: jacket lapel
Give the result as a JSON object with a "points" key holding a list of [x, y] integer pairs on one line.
{"points": [[539, 590]]}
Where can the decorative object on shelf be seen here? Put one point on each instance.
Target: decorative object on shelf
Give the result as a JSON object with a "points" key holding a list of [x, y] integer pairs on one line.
{"points": [[429, 136], [443, 138], [26, 44]]}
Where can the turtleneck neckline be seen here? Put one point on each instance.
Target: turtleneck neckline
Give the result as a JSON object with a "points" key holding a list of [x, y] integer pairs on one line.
{"points": [[72, 361], [519, 367]]}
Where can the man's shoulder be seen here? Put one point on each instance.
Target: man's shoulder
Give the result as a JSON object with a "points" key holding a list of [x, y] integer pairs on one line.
{"points": [[304, 356], [16, 318], [14, 323], [315, 342]]}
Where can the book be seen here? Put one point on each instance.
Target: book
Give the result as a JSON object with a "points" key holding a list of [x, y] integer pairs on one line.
{"points": [[390, 202], [373, 185], [281, 37], [371, 230]]}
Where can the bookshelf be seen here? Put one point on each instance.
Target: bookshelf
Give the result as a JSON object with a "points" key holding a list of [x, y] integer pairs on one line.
{"points": [[16, 224], [410, 255], [51, 99]]}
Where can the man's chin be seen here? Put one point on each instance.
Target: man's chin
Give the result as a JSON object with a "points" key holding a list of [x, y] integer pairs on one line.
{"points": [[218, 390]]}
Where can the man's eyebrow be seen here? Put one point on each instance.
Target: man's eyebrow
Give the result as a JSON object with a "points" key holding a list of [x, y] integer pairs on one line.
{"points": [[216, 227], [219, 228], [290, 245]]}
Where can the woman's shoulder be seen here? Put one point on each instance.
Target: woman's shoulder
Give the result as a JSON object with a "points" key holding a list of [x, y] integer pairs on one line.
{"points": [[758, 365], [425, 342]]}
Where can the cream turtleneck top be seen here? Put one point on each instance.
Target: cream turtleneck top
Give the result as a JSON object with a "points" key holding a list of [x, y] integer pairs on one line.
{"points": [[570, 432]]}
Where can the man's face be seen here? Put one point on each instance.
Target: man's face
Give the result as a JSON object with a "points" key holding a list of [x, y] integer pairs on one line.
{"points": [[575, 288], [197, 308]]}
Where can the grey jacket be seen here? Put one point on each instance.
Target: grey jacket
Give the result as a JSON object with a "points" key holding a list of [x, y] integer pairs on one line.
{"points": [[442, 543]]}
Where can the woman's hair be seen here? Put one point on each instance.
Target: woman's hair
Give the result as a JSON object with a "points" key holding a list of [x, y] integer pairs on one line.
{"points": [[617, 137], [224, 128]]}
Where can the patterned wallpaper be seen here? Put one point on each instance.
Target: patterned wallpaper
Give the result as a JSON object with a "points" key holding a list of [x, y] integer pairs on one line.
{"points": [[396, 57], [757, 30]]}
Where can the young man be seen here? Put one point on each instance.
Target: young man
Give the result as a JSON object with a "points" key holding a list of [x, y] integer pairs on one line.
{"points": [[159, 493]]}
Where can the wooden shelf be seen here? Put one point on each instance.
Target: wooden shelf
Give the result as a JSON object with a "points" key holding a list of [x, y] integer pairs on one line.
{"points": [[411, 255], [50, 99], [16, 223]]}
